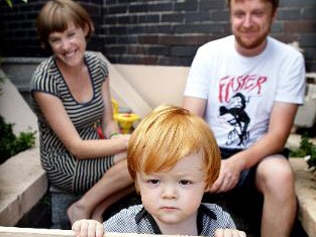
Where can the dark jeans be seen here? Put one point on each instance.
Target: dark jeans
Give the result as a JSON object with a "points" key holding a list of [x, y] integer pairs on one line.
{"points": [[247, 177]]}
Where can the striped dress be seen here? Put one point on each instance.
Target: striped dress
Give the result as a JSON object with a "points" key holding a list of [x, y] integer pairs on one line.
{"points": [[64, 171]]}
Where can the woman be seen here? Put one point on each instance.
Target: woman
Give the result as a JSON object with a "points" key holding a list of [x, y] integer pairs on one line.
{"points": [[71, 97]]}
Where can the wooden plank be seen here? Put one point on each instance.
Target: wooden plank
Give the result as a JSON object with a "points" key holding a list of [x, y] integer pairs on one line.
{"points": [[29, 232]]}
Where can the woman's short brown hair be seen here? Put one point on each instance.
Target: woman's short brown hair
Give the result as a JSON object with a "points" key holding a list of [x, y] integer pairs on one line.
{"points": [[56, 15], [168, 134]]}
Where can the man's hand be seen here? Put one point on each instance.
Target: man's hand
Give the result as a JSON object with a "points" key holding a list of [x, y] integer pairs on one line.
{"points": [[228, 176]]}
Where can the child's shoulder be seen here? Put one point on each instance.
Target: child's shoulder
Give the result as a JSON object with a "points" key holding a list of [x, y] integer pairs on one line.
{"points": [[124, 220], [134, 209], [212, 206], [214, 210]]}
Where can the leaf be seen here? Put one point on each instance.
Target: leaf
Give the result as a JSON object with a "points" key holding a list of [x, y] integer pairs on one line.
{"points": [[9, 3]]}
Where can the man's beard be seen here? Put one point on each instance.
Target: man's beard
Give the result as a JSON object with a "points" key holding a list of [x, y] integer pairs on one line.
{"points": [[251, 44]]}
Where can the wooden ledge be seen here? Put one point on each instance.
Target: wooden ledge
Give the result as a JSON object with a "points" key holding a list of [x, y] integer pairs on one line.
{"points": [[28, 232]]}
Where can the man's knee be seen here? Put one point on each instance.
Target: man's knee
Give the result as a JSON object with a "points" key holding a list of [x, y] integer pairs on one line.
{"points": [[274, 174]]}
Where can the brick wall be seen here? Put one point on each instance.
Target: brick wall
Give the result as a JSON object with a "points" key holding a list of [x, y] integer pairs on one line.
{"points": [[164, 32]]}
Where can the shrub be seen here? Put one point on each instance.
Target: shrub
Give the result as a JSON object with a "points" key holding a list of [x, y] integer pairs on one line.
{"points": [[307, 150], [10, 144]]}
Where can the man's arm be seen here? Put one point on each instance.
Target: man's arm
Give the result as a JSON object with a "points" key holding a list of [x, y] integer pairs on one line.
{"points": [[195, 105]]}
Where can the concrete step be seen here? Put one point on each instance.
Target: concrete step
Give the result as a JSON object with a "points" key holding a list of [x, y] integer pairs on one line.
{"points": [[23, 183]]}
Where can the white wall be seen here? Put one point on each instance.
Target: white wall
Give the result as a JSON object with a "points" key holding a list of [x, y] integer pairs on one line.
{"points": [[156, 84]]}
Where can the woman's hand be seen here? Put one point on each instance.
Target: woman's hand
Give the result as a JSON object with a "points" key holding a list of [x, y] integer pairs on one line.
{"points": [[123, 137], [88, 228]]}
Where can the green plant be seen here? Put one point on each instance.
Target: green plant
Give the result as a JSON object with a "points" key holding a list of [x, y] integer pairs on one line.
{"points": [[9, 2], [11, 144], [307, 150]]}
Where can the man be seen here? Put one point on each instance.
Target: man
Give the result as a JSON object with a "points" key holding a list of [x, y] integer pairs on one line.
{"points": [[248, 87]]}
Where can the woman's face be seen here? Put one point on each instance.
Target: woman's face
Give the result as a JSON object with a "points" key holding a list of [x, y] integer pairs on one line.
{"points": [[69, 46]]}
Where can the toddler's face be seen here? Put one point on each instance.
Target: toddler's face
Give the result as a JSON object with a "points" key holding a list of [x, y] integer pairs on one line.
{"points": [[174, 196]]}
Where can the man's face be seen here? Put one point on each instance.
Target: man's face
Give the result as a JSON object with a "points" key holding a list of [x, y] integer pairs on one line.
{"points": [[251, 22]]}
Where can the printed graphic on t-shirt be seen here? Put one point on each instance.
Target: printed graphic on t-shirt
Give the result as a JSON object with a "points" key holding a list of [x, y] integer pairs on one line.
{"points": [[235, 115], [234, 95]]}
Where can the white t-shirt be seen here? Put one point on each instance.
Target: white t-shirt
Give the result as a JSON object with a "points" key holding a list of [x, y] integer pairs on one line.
{"points": [[240, 91]]}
